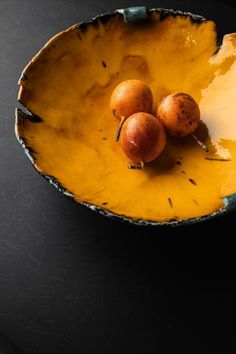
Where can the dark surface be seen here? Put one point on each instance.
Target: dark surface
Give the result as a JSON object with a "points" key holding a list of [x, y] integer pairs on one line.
{"points": [[72, 281]]}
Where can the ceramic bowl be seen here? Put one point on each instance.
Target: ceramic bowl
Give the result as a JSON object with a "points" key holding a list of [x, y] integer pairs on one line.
{"points": [[68, 131]]}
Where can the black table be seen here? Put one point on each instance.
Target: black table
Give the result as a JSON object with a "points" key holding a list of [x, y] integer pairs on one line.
{"points": [[72, 281]]}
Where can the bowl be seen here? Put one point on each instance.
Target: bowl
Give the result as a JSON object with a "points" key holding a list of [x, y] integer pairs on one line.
{"points": [[68, 132]]}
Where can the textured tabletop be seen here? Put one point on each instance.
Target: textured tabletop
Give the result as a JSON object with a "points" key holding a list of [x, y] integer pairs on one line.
{"points": [[73, 281]]}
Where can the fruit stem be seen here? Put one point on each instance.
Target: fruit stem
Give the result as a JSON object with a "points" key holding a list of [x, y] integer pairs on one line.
{"points": [[139, 166], [119, 128], [200, 143]]}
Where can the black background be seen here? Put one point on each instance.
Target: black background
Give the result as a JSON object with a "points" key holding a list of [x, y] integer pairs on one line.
{"points": [[72, 281]]}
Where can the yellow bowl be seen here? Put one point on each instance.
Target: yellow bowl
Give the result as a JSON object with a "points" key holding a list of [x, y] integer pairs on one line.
{"points": [[68, 131]]}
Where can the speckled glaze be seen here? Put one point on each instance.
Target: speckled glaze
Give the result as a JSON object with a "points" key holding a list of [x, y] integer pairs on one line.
{"points": [[130, 15]]}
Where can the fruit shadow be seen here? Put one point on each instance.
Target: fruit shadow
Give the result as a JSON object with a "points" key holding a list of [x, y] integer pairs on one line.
{"points": [[172, 155]]}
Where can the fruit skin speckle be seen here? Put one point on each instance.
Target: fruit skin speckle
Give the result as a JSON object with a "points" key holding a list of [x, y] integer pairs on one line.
{"points": [[142, 137], [179, 113]]}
